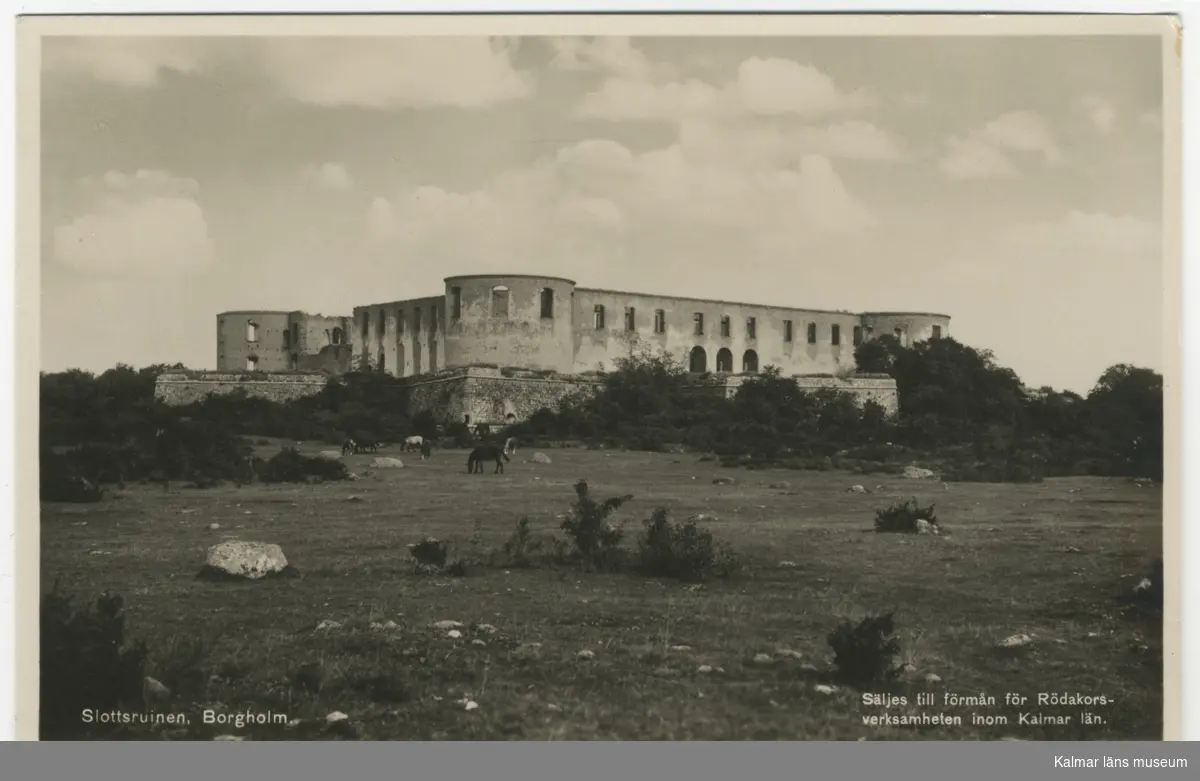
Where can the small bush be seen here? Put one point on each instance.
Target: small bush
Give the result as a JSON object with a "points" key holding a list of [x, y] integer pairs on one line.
{"points": [[681, 551], [430, 552], [864, 653], [520, 548], [86, 663], [289, 466], [902, 518], [597, 540]]}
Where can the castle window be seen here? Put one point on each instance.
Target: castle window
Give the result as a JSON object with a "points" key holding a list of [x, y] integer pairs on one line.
{"points": [[812, 333], [382, 365], [433, 319], [251, 331], [598, 317], [295, 333], [547, 303], [287, 340], [660, 321], [399, 322], [858, 335], [751, 328], [724, 333], [750, 362], [294, 362], [835, 334], [724, 361], [698, 360], [630, 319], [787, 330], [366, 317], [500, 301], [252, 363], [899, 334], [937, 332], [455, 303], [698, 323], [382, 323], [416, 322], [337, 336]]}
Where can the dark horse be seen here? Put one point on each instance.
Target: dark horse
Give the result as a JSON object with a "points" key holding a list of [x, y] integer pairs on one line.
{"points": [[486, 453]]}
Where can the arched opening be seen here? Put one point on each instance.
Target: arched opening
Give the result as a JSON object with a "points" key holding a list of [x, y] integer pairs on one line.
{"points": [[724, 361], [698, 361], [510, 418], [338, 336], [500, 301], [251, 331], [750, 362], [547, 302]]}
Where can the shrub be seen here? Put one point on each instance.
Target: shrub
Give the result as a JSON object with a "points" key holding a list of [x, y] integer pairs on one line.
{"points": [[520, 547], [430, 552], [86, 663], [289, 466], [681, 551], [61, 482], [597, 540], [863, 653], [902, 518]]}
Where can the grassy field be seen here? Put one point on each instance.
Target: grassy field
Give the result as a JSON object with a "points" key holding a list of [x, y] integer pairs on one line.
{"points": [[1047, 560]]}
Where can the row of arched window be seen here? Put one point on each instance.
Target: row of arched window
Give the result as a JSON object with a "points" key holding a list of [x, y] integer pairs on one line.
{"points": [[698, 361]]}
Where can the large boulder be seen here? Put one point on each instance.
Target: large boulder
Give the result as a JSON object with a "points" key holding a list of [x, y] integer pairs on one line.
{"points": [[917, 473], [332, 455], [541, 458], [242, 560], [387, 462]]}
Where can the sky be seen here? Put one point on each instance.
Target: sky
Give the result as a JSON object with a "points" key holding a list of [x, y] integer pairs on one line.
{"points": [[1013, 183]]}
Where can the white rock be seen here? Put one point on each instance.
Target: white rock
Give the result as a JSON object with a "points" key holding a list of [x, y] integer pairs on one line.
{"points": [[932, 678], [787, 565], [822, 688], [681, 648], [335, 717], [1143, 585], [491, 630], [237, 738], [470, 705], [250, 560], [327, 626], [856, 489], [586, 654], [295, 723], [788, 653], [704, 668], [1015, 641], [454, 633], [762, 659], [478, 642], [390, 625], [214, 526], [387, 462], [917, 473], [448, 625], [541, 458], [332, 455]]}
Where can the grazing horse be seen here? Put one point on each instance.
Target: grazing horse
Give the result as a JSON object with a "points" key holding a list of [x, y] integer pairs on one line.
{"points": [[366, 447], [426, 450], [413, 443], [486, 453], [349, 446]]}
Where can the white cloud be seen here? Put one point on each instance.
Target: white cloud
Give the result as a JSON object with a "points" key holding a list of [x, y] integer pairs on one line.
{"points": [[382, 73], [148, 223], [131, 62], [982, 153], [1100, 112], [1092, 232], [329, 176], [781, 145], [762, 87], [971, 158], [610, 54]]}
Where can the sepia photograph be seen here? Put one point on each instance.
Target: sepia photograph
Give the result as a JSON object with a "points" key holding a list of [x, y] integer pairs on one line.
{"points": [[550, 378]]}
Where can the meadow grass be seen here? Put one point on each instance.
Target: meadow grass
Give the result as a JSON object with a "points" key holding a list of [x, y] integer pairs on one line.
{"points": [[1047, 560]]}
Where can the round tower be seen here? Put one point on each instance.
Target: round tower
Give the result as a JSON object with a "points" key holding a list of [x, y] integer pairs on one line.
{"points": [[510, 320]]}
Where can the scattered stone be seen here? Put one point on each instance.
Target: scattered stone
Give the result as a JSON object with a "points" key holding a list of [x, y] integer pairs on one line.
{"points": [[541, 458], [823, 688], [1015, 641], [932, 678], [681, 649], [375, 626], [327, 626], [237, 738], [787, 565], [332, 455], [244, 560], [923, 526], [491, 630], [295, 723], [390, 625], [809, 668], [704, 668], [788, 653], [184, 511], [448, 625], [1143, 585], [917, 473], [723, 481], [454, 634], [779, 486], [762, 659], [856, 489], [552, 707], [335, 717], [387, 462], [214, 526], [586, 654], [478, 642], [470, 705], [705, 518], [354, 498], [154, 691], [1071, 549]]}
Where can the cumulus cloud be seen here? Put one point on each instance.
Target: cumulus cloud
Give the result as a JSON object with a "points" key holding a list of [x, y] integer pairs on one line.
{"points": [[1100, 112], [984, 151], [148, 223], [769, 87], [329, 176], [610, 54], [130, 62], [1092, 232], [382, 73], [597, 201]]}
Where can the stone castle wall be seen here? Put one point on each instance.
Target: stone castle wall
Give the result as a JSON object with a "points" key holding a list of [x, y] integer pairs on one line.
{"points": [[181, 389]]}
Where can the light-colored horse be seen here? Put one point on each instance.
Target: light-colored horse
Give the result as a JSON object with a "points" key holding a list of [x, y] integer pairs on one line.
{"points": [[413, 443]]}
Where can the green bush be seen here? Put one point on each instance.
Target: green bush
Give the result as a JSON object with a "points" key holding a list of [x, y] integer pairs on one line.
{"points": [[864, 653], [597, 540], [902, 518], [289, 466], [681, 551]]}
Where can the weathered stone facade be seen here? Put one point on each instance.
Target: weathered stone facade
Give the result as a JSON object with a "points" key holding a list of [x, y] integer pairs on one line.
{"points": [[187, 388]]}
